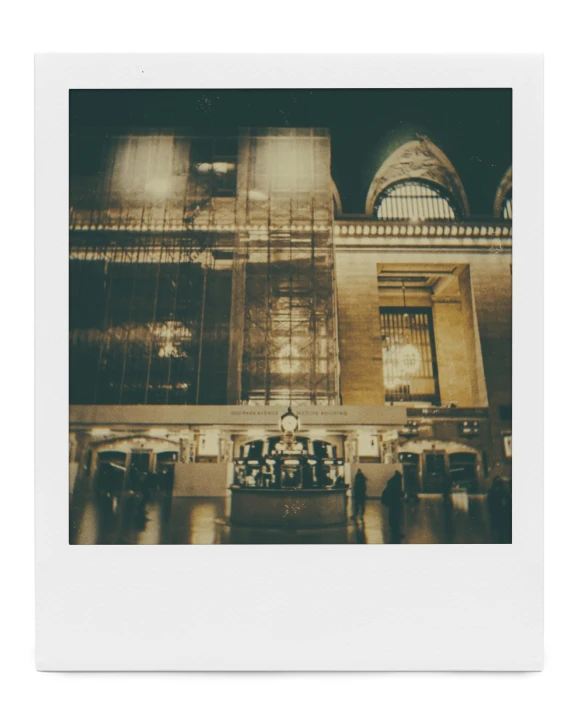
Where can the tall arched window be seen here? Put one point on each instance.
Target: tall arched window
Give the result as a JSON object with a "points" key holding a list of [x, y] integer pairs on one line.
{"points": [[507, 207], [413, 200]]}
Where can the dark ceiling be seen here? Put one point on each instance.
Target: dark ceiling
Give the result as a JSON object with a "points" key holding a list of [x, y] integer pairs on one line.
{"points": [[472, 126]]}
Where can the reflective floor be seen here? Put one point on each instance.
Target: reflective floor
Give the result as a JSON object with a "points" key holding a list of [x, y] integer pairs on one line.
{"points": [[163, 520]]}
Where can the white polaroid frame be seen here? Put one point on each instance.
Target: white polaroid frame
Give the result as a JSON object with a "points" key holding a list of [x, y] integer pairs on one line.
{"points": [[415, 607]]}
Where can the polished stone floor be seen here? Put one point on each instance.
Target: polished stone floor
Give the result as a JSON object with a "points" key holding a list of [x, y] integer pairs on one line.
{"points": [[162, 520]]}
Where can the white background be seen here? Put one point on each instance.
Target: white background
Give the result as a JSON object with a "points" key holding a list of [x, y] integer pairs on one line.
{"points": [[294, 607], [63, 27]]}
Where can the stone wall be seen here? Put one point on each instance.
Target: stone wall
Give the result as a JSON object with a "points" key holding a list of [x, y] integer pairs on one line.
{"points": [[474, 351], [488, 283], [361, 373]]}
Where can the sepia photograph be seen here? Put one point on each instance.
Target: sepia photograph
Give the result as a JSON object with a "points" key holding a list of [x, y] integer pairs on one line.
{"points": [[290, 316]]}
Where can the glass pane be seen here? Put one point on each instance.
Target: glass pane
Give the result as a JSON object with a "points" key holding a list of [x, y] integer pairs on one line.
{"points": [[409, 363], [413, 201]]}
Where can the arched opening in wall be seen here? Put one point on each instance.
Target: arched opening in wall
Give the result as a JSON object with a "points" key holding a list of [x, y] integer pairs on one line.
{"points": [[414, 200], [444, 470], [141, 463], [507, 207], [441, 466], [110, 472]]}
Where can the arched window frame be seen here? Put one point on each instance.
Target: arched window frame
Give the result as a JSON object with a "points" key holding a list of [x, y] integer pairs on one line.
{"points": [[506, 212], [419, 195], [503, 198]]}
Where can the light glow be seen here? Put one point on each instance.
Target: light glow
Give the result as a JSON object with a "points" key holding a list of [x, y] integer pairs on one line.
{"points": [[157, 432], [407, 359], [100, 432]]}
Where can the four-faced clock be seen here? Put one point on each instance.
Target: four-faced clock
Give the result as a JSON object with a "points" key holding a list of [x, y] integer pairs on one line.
{"points": [[289, 422]]}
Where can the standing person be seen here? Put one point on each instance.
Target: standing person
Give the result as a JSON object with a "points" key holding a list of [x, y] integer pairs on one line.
{"points": [[500, 510], [392, 498], [359, 494]]}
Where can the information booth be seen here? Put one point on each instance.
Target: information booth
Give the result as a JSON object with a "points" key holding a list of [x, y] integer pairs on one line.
{"points": [[288, 481]]}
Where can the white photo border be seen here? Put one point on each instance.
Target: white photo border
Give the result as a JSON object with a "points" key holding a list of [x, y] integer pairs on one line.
{"points": [[414, 607]]}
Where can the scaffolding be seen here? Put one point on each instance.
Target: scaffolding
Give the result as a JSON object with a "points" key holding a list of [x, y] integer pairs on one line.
{"points": [[283, 326], [202, 269], [149, 275]]}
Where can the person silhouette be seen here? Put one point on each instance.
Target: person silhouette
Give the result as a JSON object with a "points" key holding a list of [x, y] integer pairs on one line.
{"points": [[392, 498], [359, 494], [499, 503]]}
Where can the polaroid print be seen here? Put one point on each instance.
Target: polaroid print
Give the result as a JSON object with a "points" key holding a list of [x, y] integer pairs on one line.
{"points": [[277, 311], [290, 316]]}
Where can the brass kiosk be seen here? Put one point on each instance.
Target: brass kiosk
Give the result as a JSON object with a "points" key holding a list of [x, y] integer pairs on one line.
{"points": [[289, 487]]}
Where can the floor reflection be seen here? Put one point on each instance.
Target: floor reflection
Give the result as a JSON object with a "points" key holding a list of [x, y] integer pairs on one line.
{"points": [[130, 519]]}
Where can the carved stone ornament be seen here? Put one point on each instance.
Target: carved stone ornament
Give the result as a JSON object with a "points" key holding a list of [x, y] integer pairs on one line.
{"points": [[418, 159]]}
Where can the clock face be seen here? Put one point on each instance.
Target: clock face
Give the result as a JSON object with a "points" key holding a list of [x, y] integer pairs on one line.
{"points": [[289, 423]]}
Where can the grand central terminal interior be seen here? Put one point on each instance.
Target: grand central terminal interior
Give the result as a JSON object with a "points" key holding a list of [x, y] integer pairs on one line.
{"points": [[255, 316]]}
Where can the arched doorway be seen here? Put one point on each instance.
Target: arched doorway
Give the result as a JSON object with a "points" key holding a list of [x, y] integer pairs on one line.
{"points": [[110, 472], [134, 463], [440, 466]]}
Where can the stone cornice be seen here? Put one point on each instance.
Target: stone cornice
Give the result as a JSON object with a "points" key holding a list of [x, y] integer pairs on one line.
{"points": [[489, 234]]}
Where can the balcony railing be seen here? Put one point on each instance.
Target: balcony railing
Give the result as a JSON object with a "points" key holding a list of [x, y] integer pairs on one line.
{"points": [[483, 232]]}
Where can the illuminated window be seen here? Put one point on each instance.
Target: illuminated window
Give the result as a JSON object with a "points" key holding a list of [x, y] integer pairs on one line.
{"points": [[413, 201], [507, 207], [213, 166], [408, 353]]}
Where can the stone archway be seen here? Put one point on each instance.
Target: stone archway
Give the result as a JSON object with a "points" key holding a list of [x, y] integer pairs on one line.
{"points": [[418, 159], [154, 449], [444, 464]]}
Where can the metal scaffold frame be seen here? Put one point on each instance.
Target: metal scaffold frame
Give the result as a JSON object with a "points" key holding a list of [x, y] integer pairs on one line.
{"points": [[154, 230], [139, 250], [283, 325]]}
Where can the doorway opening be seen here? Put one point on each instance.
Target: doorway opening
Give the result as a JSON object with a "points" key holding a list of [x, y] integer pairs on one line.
{"points": [[110, 472], [139, 466], [445, 471]]}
